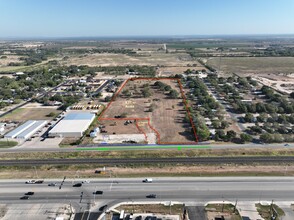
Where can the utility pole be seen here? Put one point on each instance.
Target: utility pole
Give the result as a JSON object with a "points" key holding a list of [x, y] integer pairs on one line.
{"points": [[81, 196], [95, 195], [62, 182], [235, 206]]}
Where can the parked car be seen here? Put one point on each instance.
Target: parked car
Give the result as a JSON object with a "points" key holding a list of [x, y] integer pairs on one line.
{"points": [[77, 185], [29, 193], [98, 192], [151, 196]]}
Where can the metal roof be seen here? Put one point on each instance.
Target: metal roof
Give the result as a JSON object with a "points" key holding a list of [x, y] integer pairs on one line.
{"points": [[20, 129], [32, 129], [79, 116]]}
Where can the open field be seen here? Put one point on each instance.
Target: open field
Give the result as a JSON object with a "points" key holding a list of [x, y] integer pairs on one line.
{"points": [[9, 59], [256, 65], [155, 170], [157, 113], [7, 144], [24, 114], [149, 59]]}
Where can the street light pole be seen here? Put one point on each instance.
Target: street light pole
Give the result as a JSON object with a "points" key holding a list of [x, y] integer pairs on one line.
{"points": [[95, 195]]}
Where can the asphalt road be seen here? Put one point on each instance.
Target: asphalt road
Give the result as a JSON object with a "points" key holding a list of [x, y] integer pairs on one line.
{"points": [[176, 160], [199, 190], [191, 191]]}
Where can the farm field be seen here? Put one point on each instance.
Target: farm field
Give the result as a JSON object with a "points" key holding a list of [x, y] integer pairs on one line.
{"points": [[157, 113], [253, 65], [24, 114], [149, 59]]}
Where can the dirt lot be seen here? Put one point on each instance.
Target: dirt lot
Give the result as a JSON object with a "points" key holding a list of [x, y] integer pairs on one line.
{"points": [[167, 71], [150, 59], [24, 114], [167, 115], [9, 59], [259, 65]]}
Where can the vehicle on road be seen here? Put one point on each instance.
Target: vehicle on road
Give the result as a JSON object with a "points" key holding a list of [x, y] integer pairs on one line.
{"points": [[24, 198], [77, 185], [151, 196], [29, 193], [86, 181], [102, 208], [52, 184], [98, 192], [286, 145], [30, 181], [148, 180], [39, 182]]}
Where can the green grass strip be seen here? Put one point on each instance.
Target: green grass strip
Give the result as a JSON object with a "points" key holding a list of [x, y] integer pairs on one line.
{"points": [[113, 148]]}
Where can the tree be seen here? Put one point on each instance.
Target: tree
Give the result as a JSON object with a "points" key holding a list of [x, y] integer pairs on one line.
{"points": [[146, 92], [231, 135], [167, 88], [245, 138], [249, 117], [266, 138], [203, 133], [219, 135], [173, 94], [292, 95]]}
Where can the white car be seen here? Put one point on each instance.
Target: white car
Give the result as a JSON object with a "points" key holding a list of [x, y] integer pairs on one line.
{"points": [[30, 181], [86, 181]]}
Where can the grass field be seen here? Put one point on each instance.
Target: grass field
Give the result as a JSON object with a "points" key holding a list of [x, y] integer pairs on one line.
{"points": [[249, 65], [7, 144], [149, 59], [24, 114], [265, 211]]}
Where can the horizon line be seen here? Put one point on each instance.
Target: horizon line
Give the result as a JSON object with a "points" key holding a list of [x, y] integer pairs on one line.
{"points": [[141, 36]]}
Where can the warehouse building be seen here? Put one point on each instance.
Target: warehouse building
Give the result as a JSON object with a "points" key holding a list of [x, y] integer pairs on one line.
{"points": [[72, 125], [26, 130]]}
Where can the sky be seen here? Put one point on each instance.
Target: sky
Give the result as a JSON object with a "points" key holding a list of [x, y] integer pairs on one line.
{"points": [[100, 18]]}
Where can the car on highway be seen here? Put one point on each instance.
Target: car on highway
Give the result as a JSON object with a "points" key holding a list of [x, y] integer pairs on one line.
{"points": [[29, 193], [98, 192], [102, 208], [86, 181], [24, 197], [30, 181], [147, 180], [52, 184], [287, 145], [39, 182], [151, 196], [77, 185]]}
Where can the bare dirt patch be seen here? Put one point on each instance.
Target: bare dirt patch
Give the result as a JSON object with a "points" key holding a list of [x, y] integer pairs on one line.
{"points": [[165, 116], [152, 59], [254, 65]]}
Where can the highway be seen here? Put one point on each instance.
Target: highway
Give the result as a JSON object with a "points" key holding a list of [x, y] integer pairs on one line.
{"points": [[172, 160], [196, 190], [188, 190]]}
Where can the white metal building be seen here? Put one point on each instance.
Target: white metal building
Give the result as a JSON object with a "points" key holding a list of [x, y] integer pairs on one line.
{"points": [[26, 130], [72, 125]]}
